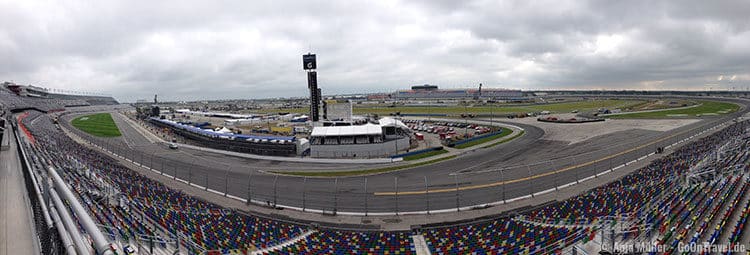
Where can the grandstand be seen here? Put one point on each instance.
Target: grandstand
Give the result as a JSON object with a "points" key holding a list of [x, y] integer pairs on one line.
{"points": [[665, 204], [435, 93], [54, 99], [261, 145]]}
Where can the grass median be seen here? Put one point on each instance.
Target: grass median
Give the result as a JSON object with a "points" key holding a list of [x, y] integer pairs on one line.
{"points": [[706, 108], [505, 132], [562, 107], [506, 140], [555, 107], [100, 124], [363, 172], [425, 155]]}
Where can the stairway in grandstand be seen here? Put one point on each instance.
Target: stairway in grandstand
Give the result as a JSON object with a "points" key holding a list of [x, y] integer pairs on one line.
{"points": [[284, 244], [420, 245]]}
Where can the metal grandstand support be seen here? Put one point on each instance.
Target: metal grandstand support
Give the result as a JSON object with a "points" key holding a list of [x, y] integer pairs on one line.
{"points": [[610, 227], [145, 241], [555, 223], [561, 243], [707, 168], [575, 250], [109, 191], [178, 238], [65, 237], [704, 168], [69, 223], [100, 242]]}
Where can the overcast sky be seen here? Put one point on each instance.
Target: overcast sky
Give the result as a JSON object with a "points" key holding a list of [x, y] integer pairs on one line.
{"points": [[252, 49]]}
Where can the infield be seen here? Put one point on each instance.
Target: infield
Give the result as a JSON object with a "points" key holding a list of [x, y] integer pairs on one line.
{"points": [[100, 124]]}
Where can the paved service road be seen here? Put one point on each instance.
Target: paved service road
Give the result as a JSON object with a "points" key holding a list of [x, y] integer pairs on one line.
{"points": [[518, 168]]}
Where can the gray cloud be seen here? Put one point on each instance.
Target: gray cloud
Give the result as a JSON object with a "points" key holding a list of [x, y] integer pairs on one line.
{"points": [[241, 49]]}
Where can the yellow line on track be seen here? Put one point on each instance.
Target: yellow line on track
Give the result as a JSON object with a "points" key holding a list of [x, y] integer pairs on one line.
{"points": [[488, 185]]}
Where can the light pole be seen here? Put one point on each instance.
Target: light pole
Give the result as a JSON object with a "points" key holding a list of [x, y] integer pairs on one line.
{"points": [[429, 111], [466, 121], [492, 114]]}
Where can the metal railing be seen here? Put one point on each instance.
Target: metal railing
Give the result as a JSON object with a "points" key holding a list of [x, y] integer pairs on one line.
{"points": [[55, 227], [46, 231]]}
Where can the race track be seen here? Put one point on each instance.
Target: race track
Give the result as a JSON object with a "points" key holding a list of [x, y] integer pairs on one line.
{"points": [[523, 166]]}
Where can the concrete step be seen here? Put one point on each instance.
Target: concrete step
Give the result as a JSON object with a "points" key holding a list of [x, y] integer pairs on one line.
{"points": [[420, 245]]}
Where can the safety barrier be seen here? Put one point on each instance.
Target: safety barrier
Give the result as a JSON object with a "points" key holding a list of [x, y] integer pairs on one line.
{"points": [[475, 138], [424, 114], [417, 152]]}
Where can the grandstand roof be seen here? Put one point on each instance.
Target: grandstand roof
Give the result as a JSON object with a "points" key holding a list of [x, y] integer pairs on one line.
{"points": [[217, 114], [367, 129], [391, 122], [212, 133]]}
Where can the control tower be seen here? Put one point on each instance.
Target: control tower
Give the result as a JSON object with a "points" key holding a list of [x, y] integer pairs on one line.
{"points": [[309, 65]]}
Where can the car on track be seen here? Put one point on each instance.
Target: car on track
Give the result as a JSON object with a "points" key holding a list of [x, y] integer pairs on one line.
{"points": [[172, 146]]}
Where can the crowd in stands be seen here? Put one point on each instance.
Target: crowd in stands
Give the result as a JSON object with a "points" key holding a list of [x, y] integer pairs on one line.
{"points": [[655, 195]]}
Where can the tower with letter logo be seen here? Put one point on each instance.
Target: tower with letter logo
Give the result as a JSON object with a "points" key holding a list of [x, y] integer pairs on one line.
{"points": [[309, 65]]}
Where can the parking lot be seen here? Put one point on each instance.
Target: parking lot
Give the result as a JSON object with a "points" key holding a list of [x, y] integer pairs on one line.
{"points": [[436, 133]]}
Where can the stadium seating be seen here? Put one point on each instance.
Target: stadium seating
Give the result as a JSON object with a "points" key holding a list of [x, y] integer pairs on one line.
{"points": [[505, 236], [655, 194], [738, 230], [348, 242], [730, 211], [204, 223], [13, 101]]}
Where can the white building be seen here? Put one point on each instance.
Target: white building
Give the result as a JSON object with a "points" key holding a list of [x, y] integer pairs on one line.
{"points": [[384, 139]]}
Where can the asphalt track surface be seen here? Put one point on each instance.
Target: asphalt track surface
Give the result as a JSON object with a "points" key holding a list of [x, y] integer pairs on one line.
{"points": [[518, 168]]}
